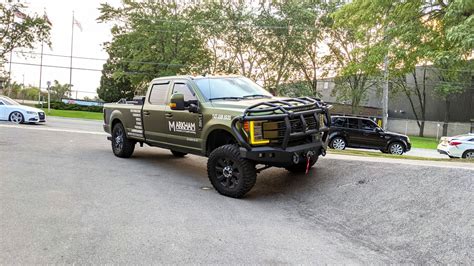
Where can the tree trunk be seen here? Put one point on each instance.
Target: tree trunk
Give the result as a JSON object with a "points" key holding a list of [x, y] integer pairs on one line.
{"points": [[446, 118], [422, 129]]}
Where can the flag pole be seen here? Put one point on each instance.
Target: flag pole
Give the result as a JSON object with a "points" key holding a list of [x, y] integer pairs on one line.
{"points": [[70, 59], [41, 72]]}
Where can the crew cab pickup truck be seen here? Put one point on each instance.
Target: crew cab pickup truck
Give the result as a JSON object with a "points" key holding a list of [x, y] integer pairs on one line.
{"points": [[229, 119]]}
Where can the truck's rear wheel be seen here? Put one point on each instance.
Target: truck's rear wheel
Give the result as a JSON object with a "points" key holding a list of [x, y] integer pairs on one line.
{"points": [[301, 167], [178, 154], [230, 174], [121, 145]]}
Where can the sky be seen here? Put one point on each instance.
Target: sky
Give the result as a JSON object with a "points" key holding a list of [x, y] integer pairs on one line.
{"points": [[87, 43]]}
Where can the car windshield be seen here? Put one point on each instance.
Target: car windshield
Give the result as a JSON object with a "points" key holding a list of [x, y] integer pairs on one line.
{"points": [[8, 101], [234, 88]]}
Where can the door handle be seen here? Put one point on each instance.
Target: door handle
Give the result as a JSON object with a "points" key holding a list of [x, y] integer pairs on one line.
{"points": [[169, 115], [146, 112]]}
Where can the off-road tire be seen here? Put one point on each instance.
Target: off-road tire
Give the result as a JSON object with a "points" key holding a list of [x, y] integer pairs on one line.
{"points": [[301, 167], [336, 142], [392, 145], [16, 117], [178, 154], [126, 147], [243, 174]]}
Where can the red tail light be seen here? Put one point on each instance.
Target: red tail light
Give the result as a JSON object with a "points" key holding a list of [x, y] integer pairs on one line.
{"points": [[454, 143]]}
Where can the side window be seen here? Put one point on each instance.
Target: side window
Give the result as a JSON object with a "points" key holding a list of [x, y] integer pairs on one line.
{"points": [[182, 88], [471, 140], [1, 103], [367, 125], [339, 122], [158, 94], [353, 123]]}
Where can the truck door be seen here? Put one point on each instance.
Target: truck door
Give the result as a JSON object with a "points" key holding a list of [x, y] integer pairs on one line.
{"points": [[155, 124], [183, 125]]}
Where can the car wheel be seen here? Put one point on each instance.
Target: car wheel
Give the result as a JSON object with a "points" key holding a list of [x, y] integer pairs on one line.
{"points": [[469, 154], [396, 148], [338, 143], [230, 174], [178, 154], [121, 145], [17, 117], [301, 167]]}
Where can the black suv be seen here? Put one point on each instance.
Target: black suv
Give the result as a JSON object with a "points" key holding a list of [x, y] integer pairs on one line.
{"points": [[357, 132]]}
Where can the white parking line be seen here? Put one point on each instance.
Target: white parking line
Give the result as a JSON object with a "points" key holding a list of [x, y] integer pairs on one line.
{"points": [[54, 129]]}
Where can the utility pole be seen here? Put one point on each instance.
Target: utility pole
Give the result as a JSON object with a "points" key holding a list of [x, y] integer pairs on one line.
{"points": [[41, 73], [48, 83], [385, 94]]}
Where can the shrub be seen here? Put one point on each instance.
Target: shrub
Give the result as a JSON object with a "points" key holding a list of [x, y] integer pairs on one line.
{"points": [[72, 107]]}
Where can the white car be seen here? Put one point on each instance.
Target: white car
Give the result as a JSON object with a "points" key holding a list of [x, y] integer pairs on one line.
{"points": [[461, 146], [17, 113]]}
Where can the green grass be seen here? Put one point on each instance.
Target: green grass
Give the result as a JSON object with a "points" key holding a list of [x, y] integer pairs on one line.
{"points": [[423, 142], [74, 114], [391, 156]]}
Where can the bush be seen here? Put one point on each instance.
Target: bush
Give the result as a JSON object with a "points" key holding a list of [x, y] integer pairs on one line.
{"points": [[72, 107]]}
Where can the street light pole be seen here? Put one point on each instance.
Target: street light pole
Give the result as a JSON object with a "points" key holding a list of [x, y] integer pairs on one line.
{"points": [[48, 83]]}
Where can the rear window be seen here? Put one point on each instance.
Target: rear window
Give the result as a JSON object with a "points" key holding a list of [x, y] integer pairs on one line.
{"points": [[158, 94], [353, 123]]}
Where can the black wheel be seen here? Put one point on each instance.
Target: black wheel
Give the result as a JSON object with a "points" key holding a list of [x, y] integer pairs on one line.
{"points": [[301, 167], [338, 143], [396, 148], [16, 117], [121, 145], [469, 154], [178, 153], [230, 174]]}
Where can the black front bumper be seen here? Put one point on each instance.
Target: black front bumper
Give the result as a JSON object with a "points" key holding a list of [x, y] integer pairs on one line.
{"points": [[276, 156]]}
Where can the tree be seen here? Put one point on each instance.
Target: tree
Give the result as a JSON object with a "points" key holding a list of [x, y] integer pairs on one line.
{"points": [[113, 88], [20, 30], [150, 39], [59, 91]]}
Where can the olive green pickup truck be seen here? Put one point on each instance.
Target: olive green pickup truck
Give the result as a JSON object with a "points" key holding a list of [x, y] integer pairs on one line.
{"points": [[229, 119]]}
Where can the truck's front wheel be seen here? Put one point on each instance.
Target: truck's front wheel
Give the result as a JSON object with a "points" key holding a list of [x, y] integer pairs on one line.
{"points": [[121, 145], [230, 174]]}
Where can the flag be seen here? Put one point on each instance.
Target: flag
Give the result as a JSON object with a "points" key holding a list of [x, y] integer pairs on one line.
{"points": [[45, 17], [19, 14], [78, 24]]}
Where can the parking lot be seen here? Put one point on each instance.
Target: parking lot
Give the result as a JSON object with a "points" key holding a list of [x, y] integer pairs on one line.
{"points": [[66, 199]]}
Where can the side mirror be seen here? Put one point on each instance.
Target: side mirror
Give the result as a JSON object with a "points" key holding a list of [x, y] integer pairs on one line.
{"points": [[193, 108], [177, 102], [378, 129]]}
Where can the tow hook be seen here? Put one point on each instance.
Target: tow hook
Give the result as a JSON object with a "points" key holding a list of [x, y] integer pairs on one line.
{"points": [[309, 154]]}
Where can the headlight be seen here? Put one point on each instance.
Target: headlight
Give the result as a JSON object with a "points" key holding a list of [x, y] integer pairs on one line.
{"points": [[255, 129], [31, 113], [408, 139]]}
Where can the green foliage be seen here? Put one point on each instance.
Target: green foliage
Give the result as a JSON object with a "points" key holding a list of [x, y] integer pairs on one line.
{"points": [[59, 91], [71, 107], [16, 32]]}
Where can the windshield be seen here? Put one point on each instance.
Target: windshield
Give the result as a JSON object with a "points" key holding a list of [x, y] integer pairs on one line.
{"points": [[8, 101], [230, 88]]}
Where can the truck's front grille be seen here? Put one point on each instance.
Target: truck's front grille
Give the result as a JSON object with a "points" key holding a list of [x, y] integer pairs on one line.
{"points": [[275, 131]]}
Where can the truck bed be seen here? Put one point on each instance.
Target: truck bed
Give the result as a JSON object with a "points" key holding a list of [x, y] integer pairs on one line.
{"points": [[131, 116]]}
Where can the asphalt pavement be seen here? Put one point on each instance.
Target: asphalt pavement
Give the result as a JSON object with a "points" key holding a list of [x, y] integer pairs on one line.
{"points": [[64, 198]]}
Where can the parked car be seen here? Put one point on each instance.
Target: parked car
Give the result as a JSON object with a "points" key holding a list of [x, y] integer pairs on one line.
{"points": [[358, 132], [17, 113], [461, 146]]}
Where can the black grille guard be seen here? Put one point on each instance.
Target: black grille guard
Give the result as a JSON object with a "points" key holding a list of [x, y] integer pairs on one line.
{"points": [[286, 110]]}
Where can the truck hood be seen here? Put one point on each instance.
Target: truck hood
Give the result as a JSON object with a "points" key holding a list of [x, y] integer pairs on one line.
{"points": [[239, 106]]}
